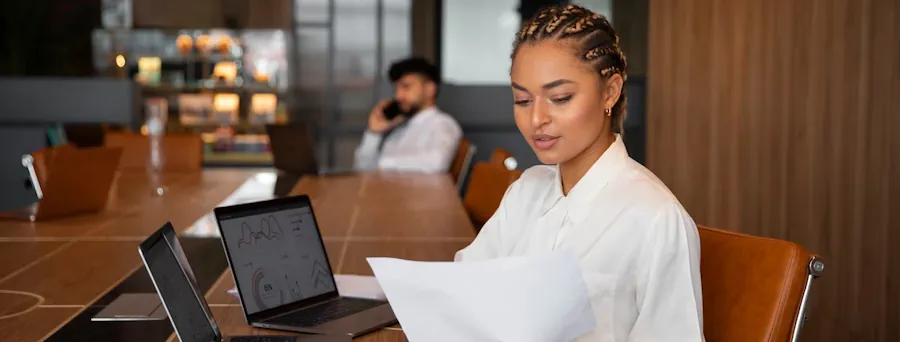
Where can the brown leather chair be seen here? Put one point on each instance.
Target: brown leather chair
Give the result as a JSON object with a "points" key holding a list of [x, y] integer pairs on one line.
{"points": [[459, 169], [182, 152], [70, 181], [503, 158], [486, 188], [754, 289]]}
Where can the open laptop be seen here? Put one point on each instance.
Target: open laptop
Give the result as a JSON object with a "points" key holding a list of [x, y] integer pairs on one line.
{"points": [[72, 180], [85, 134], [283, 276], [185, 305], [294, 150]]}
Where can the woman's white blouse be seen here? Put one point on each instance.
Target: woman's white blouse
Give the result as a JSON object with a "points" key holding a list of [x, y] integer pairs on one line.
{"points": [[639, 248]]}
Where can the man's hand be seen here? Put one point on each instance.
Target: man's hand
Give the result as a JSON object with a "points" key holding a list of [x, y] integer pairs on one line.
{"points": [[378, 123]]}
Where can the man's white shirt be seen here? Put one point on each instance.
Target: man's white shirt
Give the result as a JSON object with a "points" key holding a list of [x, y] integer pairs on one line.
{"points": [[426, 143]]}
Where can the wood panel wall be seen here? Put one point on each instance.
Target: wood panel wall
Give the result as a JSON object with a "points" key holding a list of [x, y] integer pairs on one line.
{"points": [[630, 20], [782, 119], [200, 14]]}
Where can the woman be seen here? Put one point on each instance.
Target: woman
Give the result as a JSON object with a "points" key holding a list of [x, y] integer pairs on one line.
{"points": [[639, 248]]}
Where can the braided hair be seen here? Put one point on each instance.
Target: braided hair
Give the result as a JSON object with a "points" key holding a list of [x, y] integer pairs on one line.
{"points": [[596, 43]]}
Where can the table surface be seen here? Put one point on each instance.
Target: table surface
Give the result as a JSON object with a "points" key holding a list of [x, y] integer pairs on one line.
{"points": [[407, 216]]}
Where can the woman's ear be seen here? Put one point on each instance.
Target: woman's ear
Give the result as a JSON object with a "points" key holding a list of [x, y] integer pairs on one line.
{"points": [[613, 90]]}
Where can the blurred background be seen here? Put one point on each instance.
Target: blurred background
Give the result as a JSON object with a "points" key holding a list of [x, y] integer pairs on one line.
{"points": [[774, 118]]}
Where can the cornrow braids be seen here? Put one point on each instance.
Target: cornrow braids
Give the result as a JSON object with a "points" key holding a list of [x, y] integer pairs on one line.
{"points": [[596, 43]]}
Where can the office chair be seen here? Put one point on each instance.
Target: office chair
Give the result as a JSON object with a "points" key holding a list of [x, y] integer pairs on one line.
{"points": [[486, 189], [754, 288], [503, 158], [84, 134], [459, 169], [182, 152]]}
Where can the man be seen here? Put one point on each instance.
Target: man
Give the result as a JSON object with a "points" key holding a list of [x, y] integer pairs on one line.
{"points": [[421, 138]]}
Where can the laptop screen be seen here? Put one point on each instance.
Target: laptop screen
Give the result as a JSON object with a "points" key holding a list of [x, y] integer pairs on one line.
{"points": [[174, 281], [277, 256]]}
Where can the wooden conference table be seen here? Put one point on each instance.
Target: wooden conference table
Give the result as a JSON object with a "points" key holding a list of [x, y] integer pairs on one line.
{"points": [[55, 275]]}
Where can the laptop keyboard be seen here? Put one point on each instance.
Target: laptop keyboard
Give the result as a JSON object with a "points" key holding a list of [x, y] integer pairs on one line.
{"points": [[325, 312]]}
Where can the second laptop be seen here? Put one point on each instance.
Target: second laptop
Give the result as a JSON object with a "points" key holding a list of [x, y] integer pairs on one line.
{"points": [[283, 275]]}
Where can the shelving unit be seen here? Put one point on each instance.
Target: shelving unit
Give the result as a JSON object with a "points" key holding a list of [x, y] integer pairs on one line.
{"points": [[224, 85], [332, 67]]}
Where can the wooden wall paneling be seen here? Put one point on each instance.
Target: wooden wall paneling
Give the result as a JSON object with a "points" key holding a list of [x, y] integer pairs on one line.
{"points": [[177, 14], [682, 56], [700, 71], [780, 119], [715, 62], [630, 20], [733, 79], [886, 41], [886, 38], [425, 36], [657, 47], [749, 118], [843, 90], [275, 14]]}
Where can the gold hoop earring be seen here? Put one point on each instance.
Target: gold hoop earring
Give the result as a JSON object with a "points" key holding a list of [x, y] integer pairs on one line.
{"points": [[607, 111]]}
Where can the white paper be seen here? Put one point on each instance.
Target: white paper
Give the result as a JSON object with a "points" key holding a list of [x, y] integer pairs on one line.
{"points": [[350, 285], [540, 298]]}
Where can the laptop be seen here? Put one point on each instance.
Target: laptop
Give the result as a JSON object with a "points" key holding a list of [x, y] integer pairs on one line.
{"points": [[84, 134], [184, 304], [294, 150], [72, 180], [283, 276]]}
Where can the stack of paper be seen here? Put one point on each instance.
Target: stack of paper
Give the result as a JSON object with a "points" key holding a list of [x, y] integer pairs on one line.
{"points": [[351, 285], [540, 298]]}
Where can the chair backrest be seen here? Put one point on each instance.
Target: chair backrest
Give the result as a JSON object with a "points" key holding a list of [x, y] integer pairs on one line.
{"points": [[503, 158], [754, 288], [66, 172], [293, 148], [486, 188], [499, 155], [459, 169], [181, 152]]}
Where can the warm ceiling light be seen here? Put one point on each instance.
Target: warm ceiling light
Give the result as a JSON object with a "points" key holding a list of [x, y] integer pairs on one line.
{"points": [[120, 61]]}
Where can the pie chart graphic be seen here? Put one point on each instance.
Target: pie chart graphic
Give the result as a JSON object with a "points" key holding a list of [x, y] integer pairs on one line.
{"points": [[267, 291]]}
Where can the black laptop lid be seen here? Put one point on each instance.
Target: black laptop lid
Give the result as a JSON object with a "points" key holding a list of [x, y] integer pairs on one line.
{"points": [[85, 135], [293, 148], [276, 255], [177, 288]]}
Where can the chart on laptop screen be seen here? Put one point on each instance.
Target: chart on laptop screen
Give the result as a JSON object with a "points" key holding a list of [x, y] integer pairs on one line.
{"points": [[277, 258]]}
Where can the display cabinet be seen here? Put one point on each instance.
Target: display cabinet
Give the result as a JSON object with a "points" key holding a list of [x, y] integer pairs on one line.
{"points": [[225, 85]]}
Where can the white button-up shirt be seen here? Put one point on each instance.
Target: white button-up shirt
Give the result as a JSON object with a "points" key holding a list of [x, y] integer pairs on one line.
{"points": [[639, 248], [427, 143]]}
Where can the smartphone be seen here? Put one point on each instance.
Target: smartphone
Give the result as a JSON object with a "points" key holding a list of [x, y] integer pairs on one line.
{"points": [[392, 110]]}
